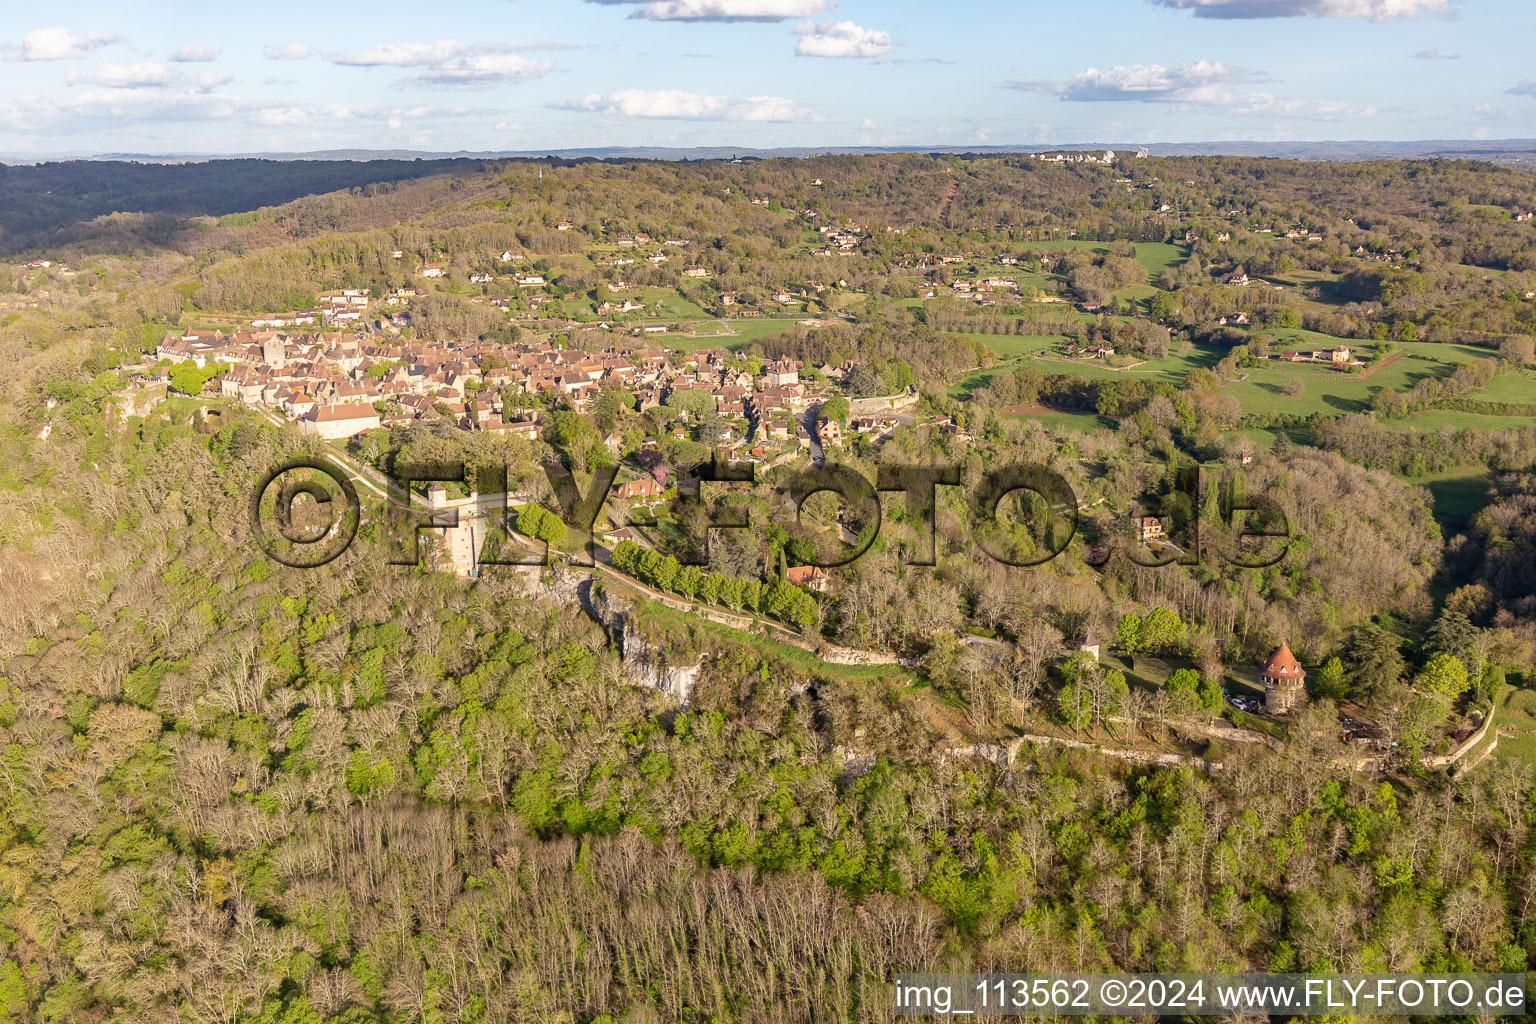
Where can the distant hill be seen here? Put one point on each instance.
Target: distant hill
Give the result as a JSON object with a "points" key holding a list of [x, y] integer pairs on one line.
{"points": [[40, 198], [1496, 150], [54, 202]]}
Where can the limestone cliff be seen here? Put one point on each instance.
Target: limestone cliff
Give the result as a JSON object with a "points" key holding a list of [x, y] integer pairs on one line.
{"points": [[647, 662]]}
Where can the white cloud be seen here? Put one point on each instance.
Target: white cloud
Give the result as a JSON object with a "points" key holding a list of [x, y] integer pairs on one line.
{"points": [[401, 55], [1375, 10], [450, 64], [840, 39], [1202, 83], [481, 72], [1525, 88], [290, 51], [1434, 55], [1258, 104], [147, 75], [205, 80], [194, 53], [100, 107], [395, 118], [689, 106], [57, 44], [125, 76], [724, 10]]}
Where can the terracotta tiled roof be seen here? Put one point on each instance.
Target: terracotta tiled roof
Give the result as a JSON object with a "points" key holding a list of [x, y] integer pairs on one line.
{"points": [[1282, 664]]}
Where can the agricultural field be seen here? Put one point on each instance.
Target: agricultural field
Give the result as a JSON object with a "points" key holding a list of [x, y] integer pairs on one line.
{"points": [[1332, 392], [1515, 387], [1156, 257]]}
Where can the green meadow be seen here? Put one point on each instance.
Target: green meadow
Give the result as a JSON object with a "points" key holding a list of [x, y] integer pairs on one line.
{"points": [[1459, 494]]}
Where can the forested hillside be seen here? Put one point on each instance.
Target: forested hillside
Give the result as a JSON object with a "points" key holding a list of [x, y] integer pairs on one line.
{"points": [[37, 201], [236, 791]]}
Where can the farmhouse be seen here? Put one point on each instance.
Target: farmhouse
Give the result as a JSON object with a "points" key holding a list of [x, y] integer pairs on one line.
{"points": [[808, 576], [646, 487]]}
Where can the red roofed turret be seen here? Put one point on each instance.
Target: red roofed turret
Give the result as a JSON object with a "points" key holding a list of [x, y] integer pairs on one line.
{"points": [[1284, 681]]}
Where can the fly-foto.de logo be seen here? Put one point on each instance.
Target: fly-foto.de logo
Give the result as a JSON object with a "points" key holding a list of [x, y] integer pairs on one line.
{"points": [[306, 512]]}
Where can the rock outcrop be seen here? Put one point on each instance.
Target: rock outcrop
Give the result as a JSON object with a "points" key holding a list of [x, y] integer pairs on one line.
{"points": [[646, 662]]}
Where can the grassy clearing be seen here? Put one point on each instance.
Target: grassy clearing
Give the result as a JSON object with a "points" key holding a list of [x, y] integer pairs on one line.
{"points": [[1459, 494], [744, 332], [801, 660], [1434, 419], [1092, 369], [1516, 386], [1006, 345], [1303, 283], [1332, 392], [1146, 672], [974, 381], [1243, 681], [1450, 353], [1516, 723], [672, 305], [1326, 391], [1159, 256], [713, 329], [1086, 422], [1156, 257]]}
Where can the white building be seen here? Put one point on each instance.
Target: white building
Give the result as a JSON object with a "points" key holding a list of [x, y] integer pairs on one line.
{"points": [[333, 422]]}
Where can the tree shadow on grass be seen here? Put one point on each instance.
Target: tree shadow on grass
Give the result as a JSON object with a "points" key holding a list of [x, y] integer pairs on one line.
{"points": [[1346, 404]]}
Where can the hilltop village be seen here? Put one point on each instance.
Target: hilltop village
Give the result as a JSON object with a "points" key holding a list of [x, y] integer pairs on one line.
{"points": [[340, 385]]}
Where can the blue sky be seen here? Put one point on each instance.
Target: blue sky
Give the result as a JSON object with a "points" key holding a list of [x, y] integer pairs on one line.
{"points": [[94, 76]]}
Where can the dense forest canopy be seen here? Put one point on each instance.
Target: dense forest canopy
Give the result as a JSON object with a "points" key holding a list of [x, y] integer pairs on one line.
{"points": [[37, 200]]}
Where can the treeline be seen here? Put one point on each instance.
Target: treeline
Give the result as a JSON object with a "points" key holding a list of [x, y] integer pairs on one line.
{"points": [[896, 350], [1413, 452], [1463, 380], [1499, 555], [779, 599]]}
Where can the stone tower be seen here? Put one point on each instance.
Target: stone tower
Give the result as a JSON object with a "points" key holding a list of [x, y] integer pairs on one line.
{"points": [[1284, 681], [272, 352]]}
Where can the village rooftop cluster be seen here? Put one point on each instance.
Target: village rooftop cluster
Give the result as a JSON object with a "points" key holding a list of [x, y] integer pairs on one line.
{"points": [[338, 385]]}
